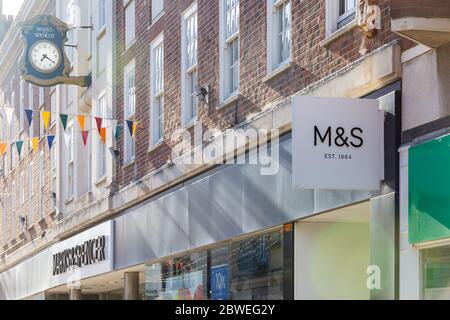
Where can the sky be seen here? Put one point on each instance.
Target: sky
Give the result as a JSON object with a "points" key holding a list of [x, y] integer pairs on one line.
{"points": [[11, 7]]}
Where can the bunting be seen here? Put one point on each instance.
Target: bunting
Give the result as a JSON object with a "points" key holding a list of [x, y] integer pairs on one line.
{"points": [[19, 145], [117, 132], [132, 126], [85, 135], [64, 118], [99, 124], [9, 114], [2, 148], [81, 119], [35, 143], [50, 140], [45, 118], [103, 135], [29, 114]]}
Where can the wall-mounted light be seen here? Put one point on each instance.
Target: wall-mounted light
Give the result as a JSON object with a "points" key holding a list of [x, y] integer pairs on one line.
{"points": [[53, 194], [115, 153], [203, 93]]}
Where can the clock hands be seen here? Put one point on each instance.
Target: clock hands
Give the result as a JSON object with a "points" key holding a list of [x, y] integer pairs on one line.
{"points": [[44, 56]]}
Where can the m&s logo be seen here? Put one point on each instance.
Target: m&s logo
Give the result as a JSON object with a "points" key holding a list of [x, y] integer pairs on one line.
{"points": [[339, 137]]}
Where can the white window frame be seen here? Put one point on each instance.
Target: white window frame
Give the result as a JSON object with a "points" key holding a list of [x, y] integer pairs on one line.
{"points": [[53, 106], [156, 94], [226, 93], [101, 147], [13, 210], [30, 194], [129, 37], [331, 21], [157, 14], [274, 62], [31, 107], [4, 218], [101, 59], [189, 101], [70, 161], [129, 114], [21, 200], [53, 181], [41, 96], [102, 13], [41, 184], [21, 105]]}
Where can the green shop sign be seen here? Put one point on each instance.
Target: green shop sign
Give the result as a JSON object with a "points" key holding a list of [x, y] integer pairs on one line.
{"points": [[429, 191]]}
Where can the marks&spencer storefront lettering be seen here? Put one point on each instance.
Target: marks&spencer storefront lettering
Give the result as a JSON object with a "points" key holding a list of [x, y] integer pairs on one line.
{"points": [[88, 253]]}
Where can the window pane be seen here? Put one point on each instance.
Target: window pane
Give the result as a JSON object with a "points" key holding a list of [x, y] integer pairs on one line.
{"points": [[130, 23]]}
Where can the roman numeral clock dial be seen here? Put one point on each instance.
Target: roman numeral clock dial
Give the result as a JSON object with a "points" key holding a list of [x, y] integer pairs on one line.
{"points": [[45, 56]]}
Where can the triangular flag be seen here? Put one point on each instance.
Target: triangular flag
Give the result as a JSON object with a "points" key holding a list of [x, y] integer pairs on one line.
{"points": [[2, 148], [45, 118], [29, 114], [19, 145], [64, 118], [130, 126], [103, 135], [35, 143], [133, 131], [9, 114], [81, 121], [50, 140], [99, 123], [85, 135], [117, 132], [67, 137]]}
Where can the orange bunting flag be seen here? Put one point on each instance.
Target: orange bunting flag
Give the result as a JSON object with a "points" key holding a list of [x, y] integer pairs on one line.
{"points": [[103, 135], [35, 142], [45, 118], [2, 148], [134, 129], [81, 122]]}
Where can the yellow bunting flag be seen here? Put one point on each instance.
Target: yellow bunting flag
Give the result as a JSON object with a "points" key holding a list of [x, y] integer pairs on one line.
{"points": [[2, 148], [35, 142], [45, 118], [81, 122], [134, 129]]}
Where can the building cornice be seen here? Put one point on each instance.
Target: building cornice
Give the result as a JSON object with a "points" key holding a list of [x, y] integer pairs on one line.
{"points": [[11, 47]]}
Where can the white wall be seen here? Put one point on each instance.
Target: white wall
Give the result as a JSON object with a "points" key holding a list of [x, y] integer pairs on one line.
{"points": [[426, 80], [331, 260], [409, 257]]}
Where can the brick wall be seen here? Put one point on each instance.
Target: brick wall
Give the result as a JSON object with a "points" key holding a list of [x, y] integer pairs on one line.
{"points": [[15, 239], [311, 62], [420, 8]]}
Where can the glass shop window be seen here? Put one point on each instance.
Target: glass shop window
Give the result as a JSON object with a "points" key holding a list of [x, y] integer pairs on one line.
{"points": [[182, 278], [257, 268], [436, 273]]}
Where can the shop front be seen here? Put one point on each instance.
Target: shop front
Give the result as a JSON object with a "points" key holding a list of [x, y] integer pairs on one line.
{"points": [[250, 268], [429, 218], [233, 233]]}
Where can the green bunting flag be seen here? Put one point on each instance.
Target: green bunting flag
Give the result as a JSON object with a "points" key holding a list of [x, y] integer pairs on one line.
{"points": [[19, 145], [118, 131], [64, 118]]}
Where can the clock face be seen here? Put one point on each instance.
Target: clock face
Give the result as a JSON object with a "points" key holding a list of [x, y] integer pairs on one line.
{"points": [[45, 56]]}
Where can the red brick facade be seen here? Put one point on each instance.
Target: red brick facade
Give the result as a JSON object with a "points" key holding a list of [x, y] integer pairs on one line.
{"points": [[16, 236], [311, 62]]}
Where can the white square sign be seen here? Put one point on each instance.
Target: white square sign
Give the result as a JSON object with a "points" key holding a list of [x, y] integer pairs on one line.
{"points": [[337, 144]]}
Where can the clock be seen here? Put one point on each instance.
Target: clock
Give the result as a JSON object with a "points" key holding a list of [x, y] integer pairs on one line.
{"points": [[45, 56], [44, 61]]}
